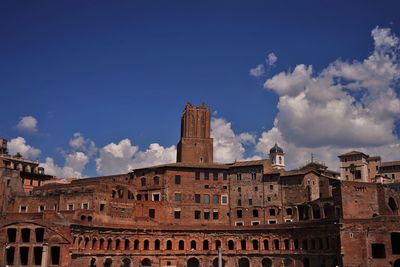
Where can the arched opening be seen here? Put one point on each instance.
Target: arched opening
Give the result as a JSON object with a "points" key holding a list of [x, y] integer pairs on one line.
{"points": [[255, 244], [169, 245], [396, 263], [231, 245], [215, 262], [117, 244], [136, 244], [286, 242], [316, 212], [109, 244], [146, 262], [306, 262], [243, 244], [157, 244], [244, 262], [193, 262], [108, 262], [266, 244], [94, 243], [392, 204], [86, 241], [156, 180], [217, 244], [93, 262], [266, 262], [101, 243], [126, 245], [192, 245], [205, 245], [83, 218], [146, 245], [329, 211], [126, 262], [181, 245], [276, 244]]}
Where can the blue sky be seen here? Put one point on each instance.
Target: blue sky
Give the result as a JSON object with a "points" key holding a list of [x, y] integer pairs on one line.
{"points": [[123, 70]]}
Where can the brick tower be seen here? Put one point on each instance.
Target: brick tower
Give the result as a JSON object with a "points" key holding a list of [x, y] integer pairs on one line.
{"points": [[195, 145]]}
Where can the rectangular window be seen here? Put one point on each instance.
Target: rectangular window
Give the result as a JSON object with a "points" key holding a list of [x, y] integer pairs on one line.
{"points": [[239, 223], [224, 199], [253, 176], [271, 212], [225, 176], [41, 208], [197, 175], [206, 215], [156, 196], [395, 239], [55, 255], [197, 198], [238, 177], [216, 199], [152, 213], [70, 207], [177, 214], [239, 213], [177, 179], [271, 221], [85, 206], [206, 199], [102, 206], [271, 187], [197, 215], [206, 175], [178, 197], [250, 201], [215, 176], [215, 215], [23, 209], [239, 202], [378, 251], [255, 223]]}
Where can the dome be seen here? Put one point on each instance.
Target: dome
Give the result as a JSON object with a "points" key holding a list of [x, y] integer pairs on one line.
{"points": [[276, 149]]}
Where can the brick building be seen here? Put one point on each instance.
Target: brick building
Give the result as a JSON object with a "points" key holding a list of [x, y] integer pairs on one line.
{"points": [[255, 213]]}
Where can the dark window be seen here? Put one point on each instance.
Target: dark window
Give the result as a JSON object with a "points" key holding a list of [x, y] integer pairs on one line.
{"points": [[266, 244], [217, 244], [239, 189], [193, 245], [24, 255], [271, 212], [55, 255], [206, 199], [206, 215], [206, 175], [286, 242], [197, 215], [255, 244], [215, 215], [156, 180], [255, 213], [197, 175], [10, 255], [243, 244], [177, 214], [152, 213], [238, 177], [178, 197], [216, 199], [197, 198], [289, 211], [146, 245], [239, 202], [215, 176], [169, 245], [378, 251], [205, 245], [231, 245], [239, 214], [395, 239], [296, 244], [250, 201], [181, 245], [26, 235], [143, 181], [136, 244], [12, 235], [276, 244], [39, 233], [102, 207], [305, 244], [126, 244], [177, 179], [139, 197], [271, 187], [255, 188], [225, 176]]}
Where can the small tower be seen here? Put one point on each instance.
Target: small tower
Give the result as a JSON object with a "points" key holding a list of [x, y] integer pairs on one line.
{"points": [[3, 147], [277, 157]]}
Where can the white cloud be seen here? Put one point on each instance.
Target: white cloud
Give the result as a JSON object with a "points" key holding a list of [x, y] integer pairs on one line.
{"points": [[228, 146], [79, 143], [271, 59], [27, 124], [257, 71], [124, 156], [74, 165], [18, 145], [348, 105]]}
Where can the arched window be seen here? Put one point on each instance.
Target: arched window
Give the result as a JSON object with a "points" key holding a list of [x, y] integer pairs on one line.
{"points": [[255, 244], [205, 245], [193, 262], [146, 262], [169, 245], [139, 197], [217, 244], [86, 241], [266, 244], [93, 262], [101, 243], [118, 244], [126, 245], [193, 245], [255, 213], [83, 218], [143, 181], [94, 243], [276, 244], [181, 245], [286, 242], [157, 244], [146, 245], [243, 244], [136, 244], [392, 204], [244, 262], [109, 244], [231, 245], [126, 262], [266, 262], [156, 180], [296, 244], [108, 262], [215, 263]]}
